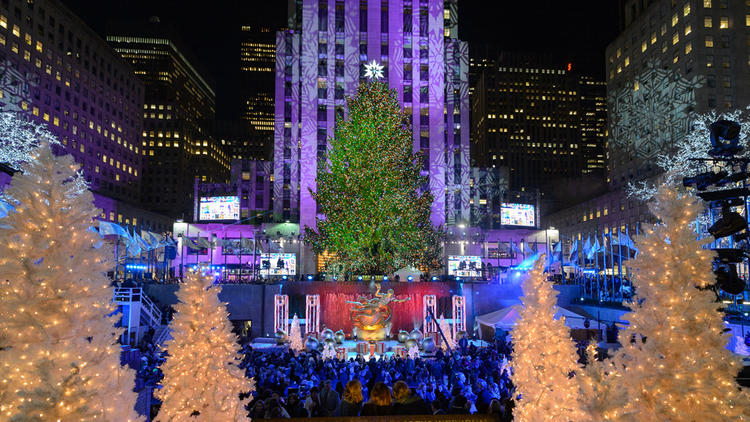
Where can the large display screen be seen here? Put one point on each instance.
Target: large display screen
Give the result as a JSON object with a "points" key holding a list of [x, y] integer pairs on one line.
{"points": [[278, 264], [219, 208], [517, 215], [465, 266]]}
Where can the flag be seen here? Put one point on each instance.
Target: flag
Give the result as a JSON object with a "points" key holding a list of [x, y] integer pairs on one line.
{"points": [[152, 239], [98, 244], [139, 240], [557, 252], [533, 248], [594, 248], [587, 247], [111, 229], [514, 249], [203, 242], [190, 244], [573, 257]]}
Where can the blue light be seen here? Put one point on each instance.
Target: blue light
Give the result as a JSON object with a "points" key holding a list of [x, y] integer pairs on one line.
{"points": [[359, 278], [458, 278], [410, 278], [309, 277], [283, 277], [434, 278], [385, 278]]}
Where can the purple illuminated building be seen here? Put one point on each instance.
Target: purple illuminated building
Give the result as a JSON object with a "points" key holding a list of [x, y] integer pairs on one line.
{"points": [[319, 62]]}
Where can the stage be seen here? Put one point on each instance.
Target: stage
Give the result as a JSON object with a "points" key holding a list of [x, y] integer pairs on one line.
{"points": [[269, 345]]}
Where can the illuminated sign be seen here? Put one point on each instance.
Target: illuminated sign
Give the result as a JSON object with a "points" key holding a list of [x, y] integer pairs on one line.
{"points": [[517, 215], [278, 264], [465, 266], [219, 208]]}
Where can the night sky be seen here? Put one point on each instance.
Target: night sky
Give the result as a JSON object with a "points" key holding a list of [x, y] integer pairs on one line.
{"points": [[578, 30]]}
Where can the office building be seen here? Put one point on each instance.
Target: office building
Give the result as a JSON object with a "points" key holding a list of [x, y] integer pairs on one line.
{"points": [[671, 61], [257, 66], [177, 145], [538, 117], [57, 71]]}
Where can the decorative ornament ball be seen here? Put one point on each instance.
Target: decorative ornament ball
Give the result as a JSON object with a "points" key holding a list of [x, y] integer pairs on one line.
{"points": [[460, 334], [416, 335], [311, 344], [280, 337], [326, 334], [403, 336], [329, 341], [428, 345], [411, 343], [340, 336]]}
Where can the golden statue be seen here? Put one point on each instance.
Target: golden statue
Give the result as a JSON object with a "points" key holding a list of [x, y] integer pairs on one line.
{"points": [[372, 317]]}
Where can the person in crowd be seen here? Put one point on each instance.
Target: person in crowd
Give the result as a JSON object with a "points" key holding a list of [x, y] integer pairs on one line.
{"points": [[459, 406], [329, 399], [352, 400], [484, 397], [312, 404], [407, 403], [437, 407], [295, 407], [276, 410], [496, 409], [380, 403]]}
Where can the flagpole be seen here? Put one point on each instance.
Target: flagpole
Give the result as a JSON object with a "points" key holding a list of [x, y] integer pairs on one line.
{"points": [[612, 263], [619, 255]]}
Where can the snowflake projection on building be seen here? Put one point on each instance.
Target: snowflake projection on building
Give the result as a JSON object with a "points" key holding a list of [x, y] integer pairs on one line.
{"points": [[373, 70], [650, 115]]}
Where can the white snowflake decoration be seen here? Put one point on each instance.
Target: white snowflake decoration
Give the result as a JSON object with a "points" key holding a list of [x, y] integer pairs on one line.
{"points": [[373, 70]]}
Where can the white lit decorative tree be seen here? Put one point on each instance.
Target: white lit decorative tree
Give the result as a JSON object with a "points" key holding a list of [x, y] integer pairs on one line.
{"points": [[295, 336], [676, 363], [329, 351], [446, 329], [544, 357], [59, 357], [412, 352], [201, 376]]}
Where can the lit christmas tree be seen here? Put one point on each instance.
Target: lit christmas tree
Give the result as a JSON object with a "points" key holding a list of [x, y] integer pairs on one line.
{"points": [[371, 192], [676, 363], [59, 357], [544, 357], [201, 376], [295, 336], [446, 329]]}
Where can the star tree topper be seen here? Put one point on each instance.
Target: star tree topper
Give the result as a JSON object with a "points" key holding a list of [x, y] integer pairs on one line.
{"points": [[373, 70]]}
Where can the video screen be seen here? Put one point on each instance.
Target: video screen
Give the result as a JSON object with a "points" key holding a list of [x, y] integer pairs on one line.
{"points": [[517, 215], [278, 264], [465, 266], [219, 208]]}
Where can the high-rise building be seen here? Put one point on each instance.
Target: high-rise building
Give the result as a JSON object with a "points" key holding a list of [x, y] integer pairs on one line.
{"points": [[177, 144], [319, 62], [536, 116], [239, 140], [54, 69], [672, 60], [258, 65]]}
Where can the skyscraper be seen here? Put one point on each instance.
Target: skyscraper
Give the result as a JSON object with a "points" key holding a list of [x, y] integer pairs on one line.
{"points": [[319, 62], [56, 70], [257, 66], [539, 117], [179, 102]]}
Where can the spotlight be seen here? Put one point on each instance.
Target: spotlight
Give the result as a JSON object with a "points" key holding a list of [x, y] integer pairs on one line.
{"points": [[733, 178], [728, 280], [359, 278], [718, 195], [729, 223], [385, 278], [410, 278], [434, 278], [309, 278], [704, 180], [283, 277], [729, 256], [725, 138]]}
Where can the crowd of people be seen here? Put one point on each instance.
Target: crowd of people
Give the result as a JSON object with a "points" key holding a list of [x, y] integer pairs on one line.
{"points": [[306, 385]]}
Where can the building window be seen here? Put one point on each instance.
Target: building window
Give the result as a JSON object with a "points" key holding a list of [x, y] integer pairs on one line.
{"points": [[707, 4], [709, 41], [723, 23], [688, 29], [675, 38], [675, 19], [708, 22], [686, 9], [688, 48]]}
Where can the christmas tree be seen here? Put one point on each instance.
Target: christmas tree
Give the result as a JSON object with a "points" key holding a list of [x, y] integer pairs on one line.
{"points": [[59, 357], [371, 192], [201, 376], [544, 357], [676, 363], [446, 329], [295, 336]]}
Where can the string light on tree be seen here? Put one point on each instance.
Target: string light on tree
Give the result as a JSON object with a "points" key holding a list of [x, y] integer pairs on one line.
{"points": [[676, 364], [201, 374], [59, 357], [544, 357], [295, 336]]}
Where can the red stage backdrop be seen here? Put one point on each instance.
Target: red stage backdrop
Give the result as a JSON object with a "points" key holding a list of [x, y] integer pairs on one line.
{"points": [[334, 311]]}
